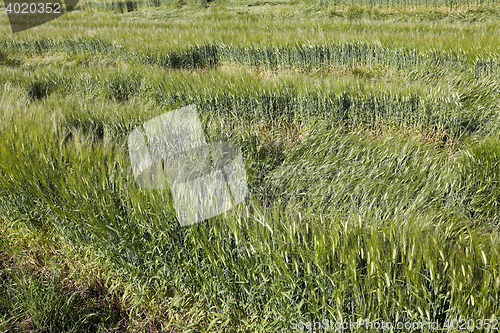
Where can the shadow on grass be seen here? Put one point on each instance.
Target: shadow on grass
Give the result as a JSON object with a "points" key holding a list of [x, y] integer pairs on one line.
{"points": [[36, 302]]}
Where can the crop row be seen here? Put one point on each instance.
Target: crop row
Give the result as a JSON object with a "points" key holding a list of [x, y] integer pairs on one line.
{"points": [[302, 56], [442, 114], [122, 6], [131, 5]]}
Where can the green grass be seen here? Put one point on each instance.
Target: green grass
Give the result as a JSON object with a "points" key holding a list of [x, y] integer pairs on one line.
{"points": [[304, 23], [370, 140], [44, 291]]}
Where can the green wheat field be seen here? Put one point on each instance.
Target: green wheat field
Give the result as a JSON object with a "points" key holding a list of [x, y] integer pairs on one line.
{"points": [[370, 132]]}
